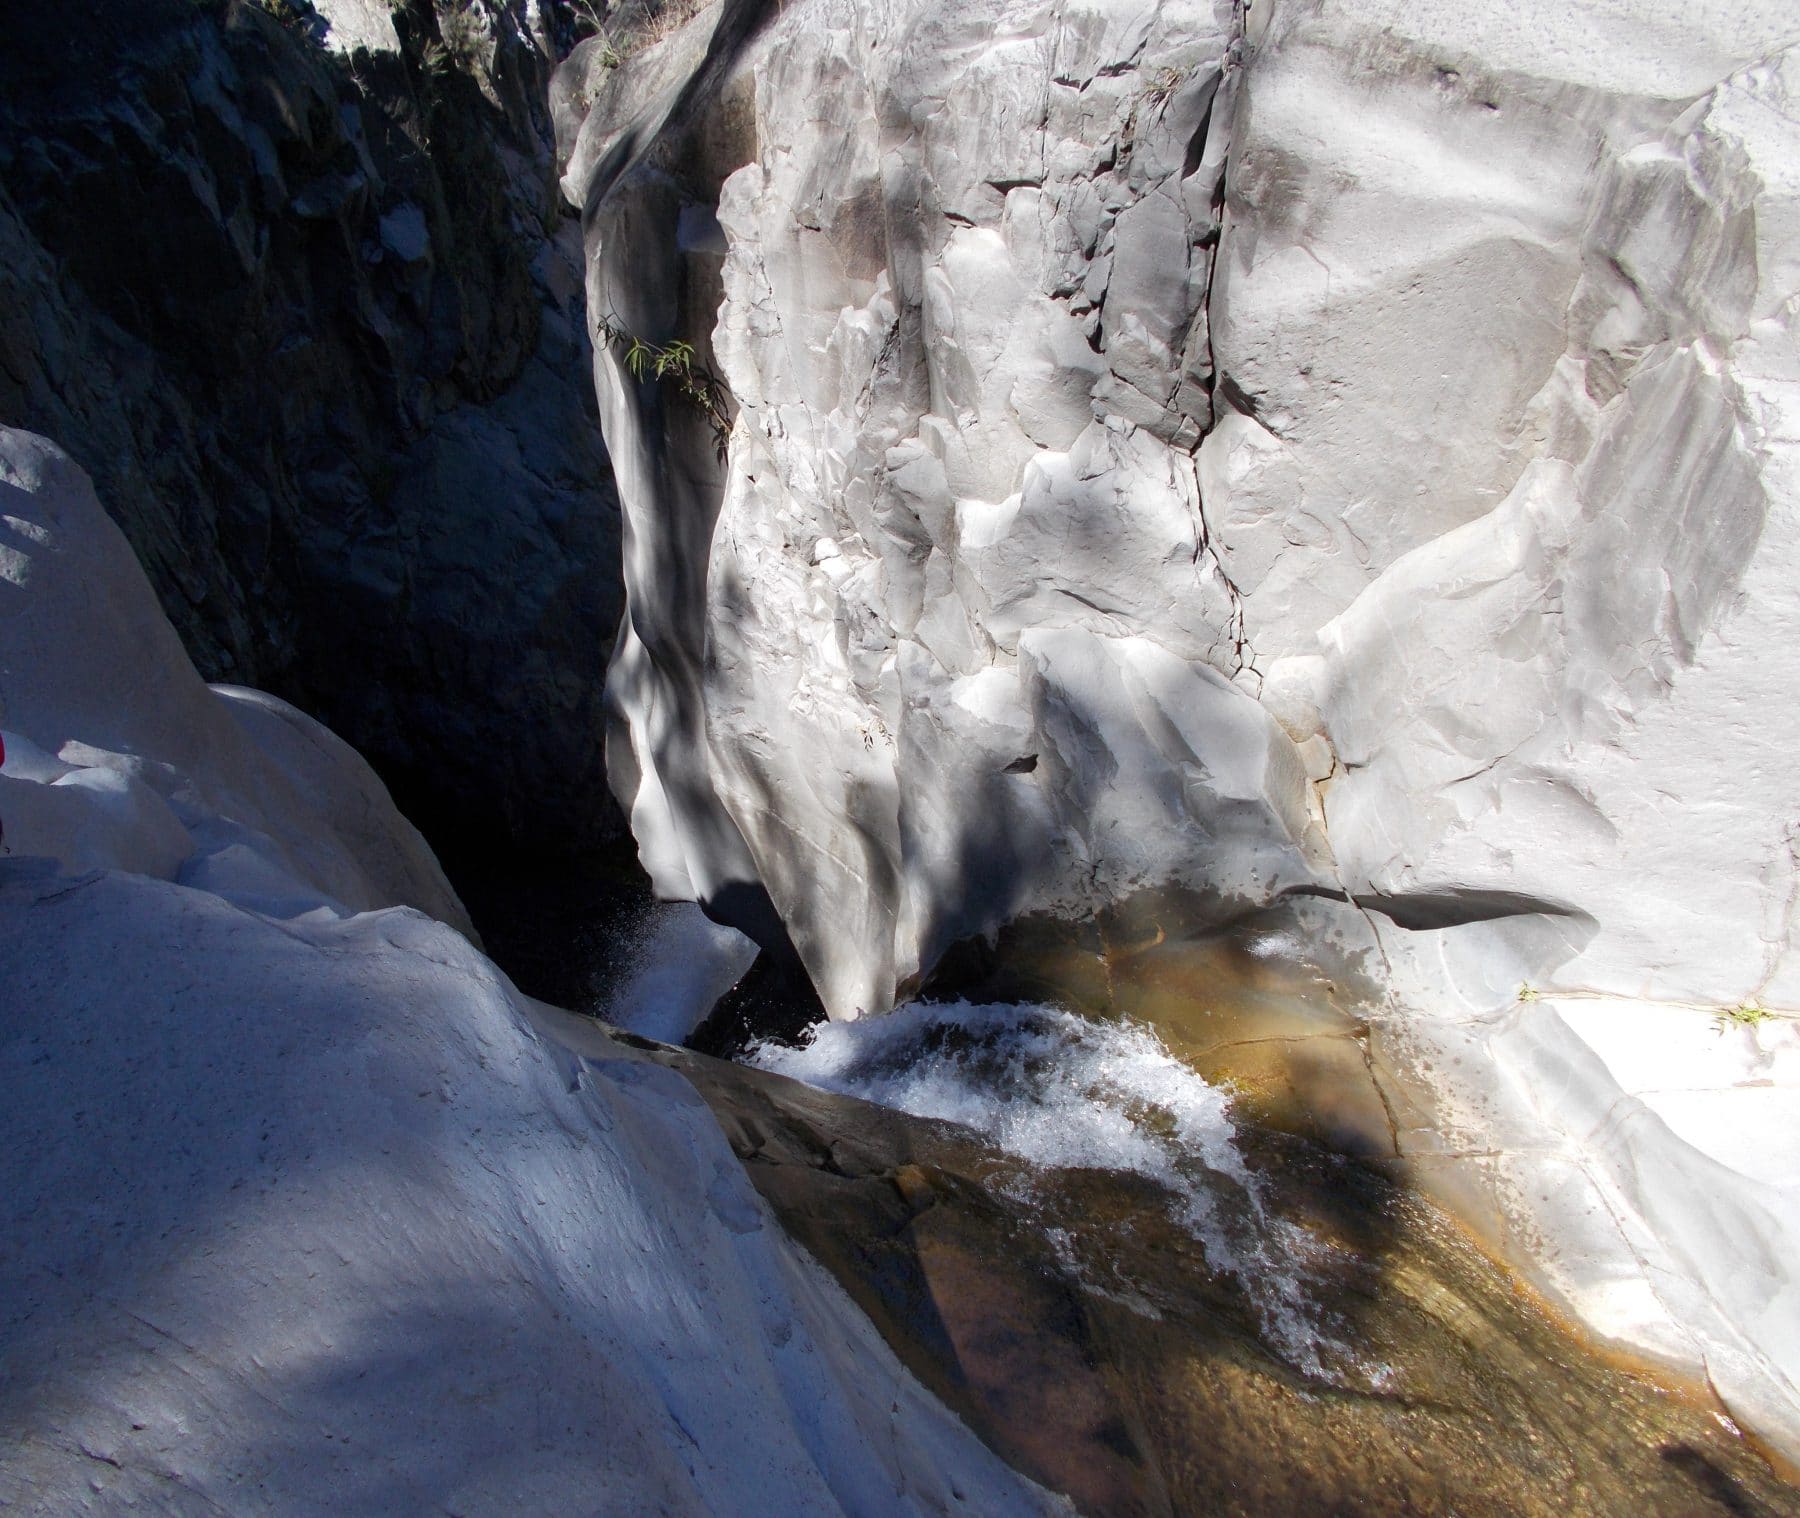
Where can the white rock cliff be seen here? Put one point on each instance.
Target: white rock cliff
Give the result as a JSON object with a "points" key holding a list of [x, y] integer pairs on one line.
{"points": [[1325, 450]]}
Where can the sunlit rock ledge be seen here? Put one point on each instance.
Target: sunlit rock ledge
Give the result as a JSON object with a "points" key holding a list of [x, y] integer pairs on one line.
{"points": [[300, 1214], [1342, 451]]}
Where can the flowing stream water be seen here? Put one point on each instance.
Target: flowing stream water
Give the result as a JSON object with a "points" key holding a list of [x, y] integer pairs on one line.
{"points": [[1126, 1197], [1066, 1092], [1270, 1324]]}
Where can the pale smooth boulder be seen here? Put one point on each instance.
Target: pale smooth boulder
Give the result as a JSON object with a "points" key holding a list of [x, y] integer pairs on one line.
{"points": [[305, 1216], [303, 1210], [166, 770]]}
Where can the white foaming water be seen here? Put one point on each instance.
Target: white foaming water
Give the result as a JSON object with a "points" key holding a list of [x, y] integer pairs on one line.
{"points": [[1061, 1091]]}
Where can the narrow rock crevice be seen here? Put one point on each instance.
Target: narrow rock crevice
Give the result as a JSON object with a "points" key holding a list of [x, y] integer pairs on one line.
{"points": [[331, 385]]}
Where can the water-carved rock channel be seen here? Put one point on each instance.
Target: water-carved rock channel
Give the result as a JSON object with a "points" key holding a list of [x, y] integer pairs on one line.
{"points": [[1113, 682], [1141, 1224]]}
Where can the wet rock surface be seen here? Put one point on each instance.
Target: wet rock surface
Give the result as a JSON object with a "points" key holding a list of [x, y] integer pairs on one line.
{"points": [[1265, 1003], [300, 297], [1092, 1342]]}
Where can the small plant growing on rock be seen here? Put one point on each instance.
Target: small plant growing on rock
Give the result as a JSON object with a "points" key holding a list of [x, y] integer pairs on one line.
{"points": [[673, 361], [464, 30], [1161, 83], [1746, 1014], [664, 20], [1527, 993], [590, 21], [298, 14], [1157, 86]]}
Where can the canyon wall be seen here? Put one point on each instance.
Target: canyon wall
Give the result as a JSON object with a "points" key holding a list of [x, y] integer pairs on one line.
{"points": [[1332, 451], [294, 285], [1342, 455]]}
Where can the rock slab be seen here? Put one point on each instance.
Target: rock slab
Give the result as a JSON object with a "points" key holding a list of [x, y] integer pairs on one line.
{"points": [[300, 1213]]}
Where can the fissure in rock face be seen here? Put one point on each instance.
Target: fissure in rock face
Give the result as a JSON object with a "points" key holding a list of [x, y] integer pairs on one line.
{"points": [[970, 377], [1331, 454]]}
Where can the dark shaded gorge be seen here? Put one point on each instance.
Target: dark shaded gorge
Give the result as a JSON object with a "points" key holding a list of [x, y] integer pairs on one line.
{"points": [[314, 325]]}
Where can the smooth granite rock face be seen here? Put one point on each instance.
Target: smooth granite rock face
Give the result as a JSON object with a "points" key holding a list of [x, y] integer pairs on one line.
{"points": [[119, 757], [1505, 479], [303, 1214], [1335, 449], [300, 296], [942, 639], [1498, 325]]}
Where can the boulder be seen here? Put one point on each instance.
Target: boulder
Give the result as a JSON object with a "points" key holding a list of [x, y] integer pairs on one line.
{"points": [[300, 1211], [119, 757]]}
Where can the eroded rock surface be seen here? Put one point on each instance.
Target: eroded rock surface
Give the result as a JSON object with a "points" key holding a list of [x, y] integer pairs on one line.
{"points": [[952, 584], [1329, 450], [1506, 481]]}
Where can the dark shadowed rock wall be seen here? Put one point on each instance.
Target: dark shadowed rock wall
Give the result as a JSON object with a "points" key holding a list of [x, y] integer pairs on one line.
{"points": [[311, 315]]}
